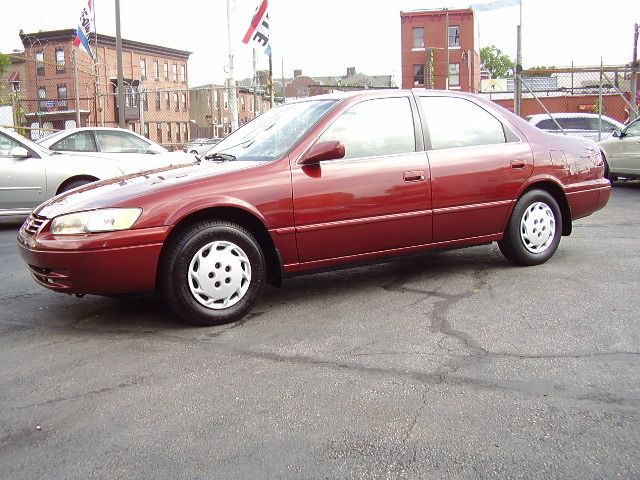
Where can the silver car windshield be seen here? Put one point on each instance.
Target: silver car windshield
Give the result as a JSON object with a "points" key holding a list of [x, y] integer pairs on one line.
{"points": [[273, 133]]}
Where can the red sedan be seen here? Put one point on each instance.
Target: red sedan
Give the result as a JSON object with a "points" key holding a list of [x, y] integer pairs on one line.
{"points": [[314, 184]]}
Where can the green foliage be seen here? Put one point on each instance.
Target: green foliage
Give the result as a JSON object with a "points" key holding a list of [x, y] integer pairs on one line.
{"points": [[5, 61], [540, 72], [497, 63]]}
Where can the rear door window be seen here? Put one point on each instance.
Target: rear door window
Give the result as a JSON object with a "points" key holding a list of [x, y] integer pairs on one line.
{"points": [[76, 142], [457, 122]]}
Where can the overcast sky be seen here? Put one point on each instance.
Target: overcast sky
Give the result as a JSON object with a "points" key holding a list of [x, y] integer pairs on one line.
{"points": [[325, 37]]}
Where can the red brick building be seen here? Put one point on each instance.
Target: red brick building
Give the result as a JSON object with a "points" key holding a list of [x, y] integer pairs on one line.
{"points": [[153, 75], [439, 50]]}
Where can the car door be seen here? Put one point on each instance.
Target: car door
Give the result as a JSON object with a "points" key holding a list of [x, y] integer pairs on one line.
{"points": [[376, 198], [22, 180], [478, 164], [132, 154], [624, 151]]}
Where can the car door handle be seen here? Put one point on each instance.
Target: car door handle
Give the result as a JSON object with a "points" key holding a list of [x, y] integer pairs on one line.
{"points": [[517, 164], [413, 176]]}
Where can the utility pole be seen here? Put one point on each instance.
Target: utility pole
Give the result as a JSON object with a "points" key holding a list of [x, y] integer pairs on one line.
{"points": [[517, 85], [634, 76], [446, 46], [121, 103], [75, 86], [231, 82]]}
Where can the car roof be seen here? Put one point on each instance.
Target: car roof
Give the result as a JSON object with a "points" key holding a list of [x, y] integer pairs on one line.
{"points": [[541, 116]]}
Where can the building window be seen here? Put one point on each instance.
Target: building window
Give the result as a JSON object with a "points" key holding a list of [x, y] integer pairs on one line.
{"points": [[225, 101], [156, 72], [62, 95], [146, 130], [454, 74], [175, 72], [145, 104], [183, 73], [157, 101], [454, 36], [169, 136], [159, 133], [178, 133], [39, 63], [176, 100], [60, 66], [418, 75], [143, 69], [184, 102], [166, 71], [42, 96], [418, 37], [167, 100]]}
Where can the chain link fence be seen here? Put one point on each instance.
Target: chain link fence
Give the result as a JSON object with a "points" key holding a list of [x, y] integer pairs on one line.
{"points": [[578, 98]]}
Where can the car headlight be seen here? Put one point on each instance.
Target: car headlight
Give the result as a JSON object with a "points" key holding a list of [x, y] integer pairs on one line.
{"points": [[104, 220]]}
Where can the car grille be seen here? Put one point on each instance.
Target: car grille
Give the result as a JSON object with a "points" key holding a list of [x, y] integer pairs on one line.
{"points": [[33, 224], [47, 277]]}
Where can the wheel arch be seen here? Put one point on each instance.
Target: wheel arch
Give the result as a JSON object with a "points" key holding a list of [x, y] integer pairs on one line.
{"points": [[558, 194], [241, 217], [63, 185]]}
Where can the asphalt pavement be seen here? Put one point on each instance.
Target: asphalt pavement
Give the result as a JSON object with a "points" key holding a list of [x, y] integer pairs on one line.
{"points": [[454, 365]]}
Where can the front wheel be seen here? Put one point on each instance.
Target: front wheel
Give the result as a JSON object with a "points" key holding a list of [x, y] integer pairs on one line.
{"points": [[534, 229], [213, 273]]}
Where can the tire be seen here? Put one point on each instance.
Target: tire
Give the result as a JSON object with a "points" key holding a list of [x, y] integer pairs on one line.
{"points": [[213, 273], [607, 173], [533, 233], [74, 184]]}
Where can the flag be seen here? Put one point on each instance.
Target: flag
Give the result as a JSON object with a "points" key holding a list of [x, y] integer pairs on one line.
{"points": [[258, 32], [85, 27], [485, 7]]}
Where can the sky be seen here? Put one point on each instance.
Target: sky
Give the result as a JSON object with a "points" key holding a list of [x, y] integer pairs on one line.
{"points": [[324, 38]]}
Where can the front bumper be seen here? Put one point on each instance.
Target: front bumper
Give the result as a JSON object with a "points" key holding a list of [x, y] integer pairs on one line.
{"points": [[105, 263]]}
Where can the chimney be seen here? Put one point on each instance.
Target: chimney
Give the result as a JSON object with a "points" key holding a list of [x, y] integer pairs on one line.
{"points": [[351, 71], [297, 73]]}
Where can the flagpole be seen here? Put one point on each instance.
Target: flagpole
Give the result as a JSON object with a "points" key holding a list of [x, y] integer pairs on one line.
{"points": [[233, 100], [271, 98], [97, 72], [75, 86]]}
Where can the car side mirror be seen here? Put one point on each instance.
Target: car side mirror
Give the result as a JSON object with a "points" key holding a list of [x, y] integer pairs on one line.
{"points": [[19, 152], [322, 151], [616, 133]]}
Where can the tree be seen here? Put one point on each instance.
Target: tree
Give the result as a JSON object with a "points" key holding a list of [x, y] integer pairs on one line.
{"points": [[497, 63], [5, 61]]}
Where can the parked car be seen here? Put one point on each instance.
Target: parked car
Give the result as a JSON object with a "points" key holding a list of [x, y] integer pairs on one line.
{"points": [[115, 143], [31, 174], [200, 145], [577, 124], [621, 152], [314, 184]]}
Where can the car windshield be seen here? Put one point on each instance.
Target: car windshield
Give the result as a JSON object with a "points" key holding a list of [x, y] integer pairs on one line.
{"points": [[272, 134]]}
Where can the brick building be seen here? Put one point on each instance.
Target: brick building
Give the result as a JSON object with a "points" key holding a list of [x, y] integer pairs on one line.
{"points": [[439, 50], [156, 93], [210, 112]]}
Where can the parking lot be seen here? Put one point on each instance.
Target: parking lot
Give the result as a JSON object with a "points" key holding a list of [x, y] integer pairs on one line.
{"points": [[451, 365]]}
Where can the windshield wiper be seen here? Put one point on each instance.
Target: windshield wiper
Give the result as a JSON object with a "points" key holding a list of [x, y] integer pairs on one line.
{"points": [[222, 157]]}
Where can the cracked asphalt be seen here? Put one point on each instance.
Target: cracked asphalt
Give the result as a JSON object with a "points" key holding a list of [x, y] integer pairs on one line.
{"points": [[453, 365]]}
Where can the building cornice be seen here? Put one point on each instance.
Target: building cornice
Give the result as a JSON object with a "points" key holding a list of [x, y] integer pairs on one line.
{"points": [[67, 35]]}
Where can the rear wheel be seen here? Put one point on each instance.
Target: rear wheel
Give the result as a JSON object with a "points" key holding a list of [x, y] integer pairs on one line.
{"points": [[534, 229], [213, 273]]}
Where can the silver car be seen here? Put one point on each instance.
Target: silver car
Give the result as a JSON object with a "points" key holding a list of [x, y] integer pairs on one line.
{"points": [[201, 145], [588, 125], [31, 174], [117, 144], [621, 152]]}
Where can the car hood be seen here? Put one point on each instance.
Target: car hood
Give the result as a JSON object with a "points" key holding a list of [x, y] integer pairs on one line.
{"points": [[116, 191]]}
